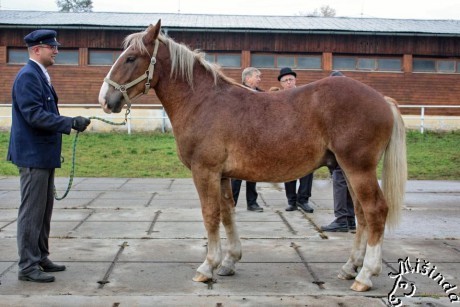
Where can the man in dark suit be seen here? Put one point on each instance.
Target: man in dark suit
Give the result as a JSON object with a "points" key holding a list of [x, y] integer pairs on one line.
{"points": [[287, 79], [343, 204], [35, 148], [251, 79]]}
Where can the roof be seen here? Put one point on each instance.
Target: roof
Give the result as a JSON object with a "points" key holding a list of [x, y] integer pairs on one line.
{"points": [[230, 23]]}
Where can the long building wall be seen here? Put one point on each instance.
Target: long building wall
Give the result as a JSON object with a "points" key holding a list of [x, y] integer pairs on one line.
{"points": [[81, 83]]}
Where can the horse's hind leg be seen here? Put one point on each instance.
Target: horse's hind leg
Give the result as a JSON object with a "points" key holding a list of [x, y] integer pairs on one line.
{"points": [[208, 187], [374, 210], [350, 269], [227, 213]]}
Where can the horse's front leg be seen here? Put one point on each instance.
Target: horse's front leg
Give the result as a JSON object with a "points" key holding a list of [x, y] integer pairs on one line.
{"points": [[207, 184], [227, 213]]}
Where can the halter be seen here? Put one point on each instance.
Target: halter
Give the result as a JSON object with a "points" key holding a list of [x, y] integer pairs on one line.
{"points": [[148, 75]]}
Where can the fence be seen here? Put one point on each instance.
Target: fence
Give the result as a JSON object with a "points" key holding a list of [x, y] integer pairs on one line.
{"points": [[154, 117]]}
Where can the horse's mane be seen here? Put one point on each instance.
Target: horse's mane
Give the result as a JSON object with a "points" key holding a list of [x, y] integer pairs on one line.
{"points": [[182, 58]]}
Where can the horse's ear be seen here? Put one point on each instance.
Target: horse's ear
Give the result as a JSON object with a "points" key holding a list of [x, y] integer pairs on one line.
{"points": [[152, 33]]}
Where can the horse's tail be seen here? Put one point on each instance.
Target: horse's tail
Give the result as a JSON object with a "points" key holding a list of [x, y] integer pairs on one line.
{"points": [[394, 173]]}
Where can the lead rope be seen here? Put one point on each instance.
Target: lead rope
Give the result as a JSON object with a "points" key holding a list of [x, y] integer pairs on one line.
{"points": [[74, 149]]}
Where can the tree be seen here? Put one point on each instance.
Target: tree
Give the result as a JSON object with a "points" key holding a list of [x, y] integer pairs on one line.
{"points": [[324, 11], [75, 6]]}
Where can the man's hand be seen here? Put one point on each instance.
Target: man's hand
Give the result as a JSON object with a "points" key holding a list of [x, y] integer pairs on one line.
{"points": [[80, 123]]}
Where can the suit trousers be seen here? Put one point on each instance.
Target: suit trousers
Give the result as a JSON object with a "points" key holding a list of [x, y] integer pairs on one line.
{"points": [[303, 193], [34, 216], [251, 192], [343, 204]]}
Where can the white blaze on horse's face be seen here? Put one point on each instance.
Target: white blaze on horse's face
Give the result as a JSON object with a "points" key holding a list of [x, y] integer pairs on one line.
{"points": [[105, 87]]}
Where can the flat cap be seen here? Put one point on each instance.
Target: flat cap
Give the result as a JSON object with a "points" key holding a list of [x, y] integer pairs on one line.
{"points": [[41, 37]]}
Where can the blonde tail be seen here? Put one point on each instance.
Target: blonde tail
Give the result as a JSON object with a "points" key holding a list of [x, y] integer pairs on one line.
{"points": [[394, 173]]}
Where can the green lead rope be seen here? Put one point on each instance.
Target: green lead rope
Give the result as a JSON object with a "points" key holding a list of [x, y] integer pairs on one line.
{"points": [[74, 150]]}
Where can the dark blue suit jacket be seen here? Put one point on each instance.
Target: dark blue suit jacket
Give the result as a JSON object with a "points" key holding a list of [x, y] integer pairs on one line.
{"points": [[37, 127]]}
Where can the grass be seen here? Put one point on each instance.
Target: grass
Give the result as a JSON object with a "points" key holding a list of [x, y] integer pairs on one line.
{"points": [[431, 156]]}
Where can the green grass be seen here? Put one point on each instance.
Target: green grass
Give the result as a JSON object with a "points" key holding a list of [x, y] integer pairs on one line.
{"points": [[432, 156]]}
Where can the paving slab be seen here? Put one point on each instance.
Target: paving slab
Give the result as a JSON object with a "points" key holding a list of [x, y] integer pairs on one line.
{"points": [[138, 242]]}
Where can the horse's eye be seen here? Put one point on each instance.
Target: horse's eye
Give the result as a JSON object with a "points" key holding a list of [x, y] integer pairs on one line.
{"points": [[130, 59]]}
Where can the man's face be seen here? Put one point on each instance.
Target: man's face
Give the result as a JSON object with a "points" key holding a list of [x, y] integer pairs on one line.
{"points": [[45, 54], [287, 82], [253, 80]]}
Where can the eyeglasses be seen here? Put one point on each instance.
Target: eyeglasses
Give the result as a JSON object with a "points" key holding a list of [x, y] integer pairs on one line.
{"points": [[288, 80], [54, 48]]}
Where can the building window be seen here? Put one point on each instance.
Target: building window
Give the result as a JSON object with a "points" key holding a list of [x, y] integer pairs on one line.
{"points": [[103, 57], [64, 57], [67, 57], [224, 59], [366, 63], [18, 55], [283, 60], [436, 65], [262, 60], [308, 62]]}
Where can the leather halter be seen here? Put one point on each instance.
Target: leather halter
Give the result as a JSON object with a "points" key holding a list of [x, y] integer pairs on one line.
{"points": [[148, 75]]}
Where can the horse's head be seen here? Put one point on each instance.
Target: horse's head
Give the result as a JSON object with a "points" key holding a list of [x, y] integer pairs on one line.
{"points": [[132, 73]]}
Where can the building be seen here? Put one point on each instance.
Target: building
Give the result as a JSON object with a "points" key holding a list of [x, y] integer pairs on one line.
{"points": [[414, 61]]}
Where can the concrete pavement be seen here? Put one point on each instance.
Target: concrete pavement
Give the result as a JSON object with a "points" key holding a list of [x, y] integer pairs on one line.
{"points": [[138, 242]]}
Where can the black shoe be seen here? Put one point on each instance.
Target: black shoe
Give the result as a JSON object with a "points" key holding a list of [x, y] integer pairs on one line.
{"points": [[291, 207], [36, 276], [52, 267], [351, 223], [336, 227], [255, 207], [305, 207]]}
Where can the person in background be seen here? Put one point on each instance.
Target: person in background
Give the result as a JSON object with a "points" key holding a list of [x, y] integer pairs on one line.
{"points": [[287, 79], [343, 204], [35, 148], [251, 79]]}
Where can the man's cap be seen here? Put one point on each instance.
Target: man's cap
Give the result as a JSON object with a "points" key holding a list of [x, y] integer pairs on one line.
{"points": [[41, 37], [286, 71]]}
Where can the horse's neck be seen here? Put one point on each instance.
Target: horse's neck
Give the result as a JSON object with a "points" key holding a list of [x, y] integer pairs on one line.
{"points": [[178, 97]]}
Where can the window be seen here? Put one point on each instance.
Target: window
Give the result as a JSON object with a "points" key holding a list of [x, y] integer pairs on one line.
{"points": [[282, 60], [64, 57], [436, 65], [366, 63], [286, 61], [103, 57], [263, 60], [224, 59], [18, 55], [309, 62], [67, 57]]}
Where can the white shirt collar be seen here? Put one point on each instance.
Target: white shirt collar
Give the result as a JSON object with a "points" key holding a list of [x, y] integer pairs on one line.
{"points": [[43, 69]]}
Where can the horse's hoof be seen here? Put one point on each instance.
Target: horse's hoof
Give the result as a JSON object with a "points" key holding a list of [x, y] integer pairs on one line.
{"points": [[359, 287], [200, 277], [225, 271], [344, 276]]}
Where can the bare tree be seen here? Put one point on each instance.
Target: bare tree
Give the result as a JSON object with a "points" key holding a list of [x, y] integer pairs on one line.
{"points": [[327, 11], [324, 11], [75, 6]]}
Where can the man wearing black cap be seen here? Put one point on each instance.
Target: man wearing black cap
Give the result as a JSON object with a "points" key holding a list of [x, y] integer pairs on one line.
{"points": [[287, 79], [35, 148]]}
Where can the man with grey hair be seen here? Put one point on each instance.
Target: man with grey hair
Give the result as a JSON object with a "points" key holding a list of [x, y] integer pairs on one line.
{"points": [[250, 78]]}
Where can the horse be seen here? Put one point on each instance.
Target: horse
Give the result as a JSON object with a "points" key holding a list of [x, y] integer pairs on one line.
{"points": [[224, 130]]}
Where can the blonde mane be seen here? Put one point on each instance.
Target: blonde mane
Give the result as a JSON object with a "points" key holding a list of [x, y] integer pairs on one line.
{"points": [[182, 58]]}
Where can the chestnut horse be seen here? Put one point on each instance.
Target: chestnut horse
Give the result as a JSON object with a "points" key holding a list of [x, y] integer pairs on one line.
{"points": [[224, 131]]}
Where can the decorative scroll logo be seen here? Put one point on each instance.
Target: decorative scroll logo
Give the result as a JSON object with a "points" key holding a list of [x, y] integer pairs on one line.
{"points": [[422, 268]]}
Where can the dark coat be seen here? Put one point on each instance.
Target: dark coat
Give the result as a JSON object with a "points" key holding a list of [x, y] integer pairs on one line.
{"points": [[37, 127]]}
